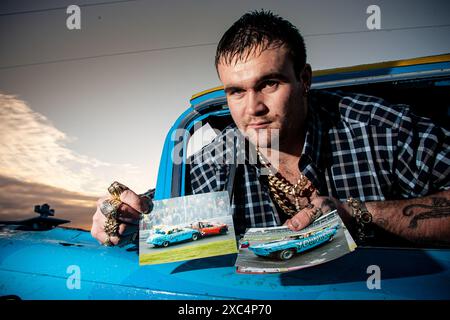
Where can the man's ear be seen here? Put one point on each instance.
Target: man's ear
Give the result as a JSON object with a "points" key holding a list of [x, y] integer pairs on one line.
{"points": [[306, 77]]}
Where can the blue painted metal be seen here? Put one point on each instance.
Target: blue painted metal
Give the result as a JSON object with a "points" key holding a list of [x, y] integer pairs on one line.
{"points": [[36, 264], [211, 95], [382, 71], [163, 185]]}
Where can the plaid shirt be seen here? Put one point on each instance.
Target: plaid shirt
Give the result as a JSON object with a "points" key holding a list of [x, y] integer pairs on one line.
{"points": [[356, 146]]}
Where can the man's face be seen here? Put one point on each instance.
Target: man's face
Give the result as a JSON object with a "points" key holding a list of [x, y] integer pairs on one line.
{"points": [[264, 96]]}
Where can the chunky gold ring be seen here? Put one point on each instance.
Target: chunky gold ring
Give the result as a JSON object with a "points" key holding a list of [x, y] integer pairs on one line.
{"points": [[107, 242], [116, 189], [112, 227], [110, 207]]}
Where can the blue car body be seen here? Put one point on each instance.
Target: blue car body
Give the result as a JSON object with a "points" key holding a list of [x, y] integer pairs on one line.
{"points": [[174, 235], [296, 244], [38, 263]]}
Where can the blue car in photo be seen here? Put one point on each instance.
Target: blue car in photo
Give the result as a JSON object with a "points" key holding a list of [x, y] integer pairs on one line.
{"points": [[164, 237], [286, 248]]}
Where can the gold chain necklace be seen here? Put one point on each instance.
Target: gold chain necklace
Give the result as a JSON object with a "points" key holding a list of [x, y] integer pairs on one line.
{"points": [[291, 198]]}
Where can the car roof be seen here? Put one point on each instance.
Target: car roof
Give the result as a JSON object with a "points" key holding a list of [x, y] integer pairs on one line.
{"points": [[324, 75]]}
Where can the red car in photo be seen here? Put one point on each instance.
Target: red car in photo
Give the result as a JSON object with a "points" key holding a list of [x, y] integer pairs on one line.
{"points": [[209, 229]]}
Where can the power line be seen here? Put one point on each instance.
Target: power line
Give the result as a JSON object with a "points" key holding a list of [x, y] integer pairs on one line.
{"points": [[206, 45], [384, 29], [64, 8], [107, 55]]}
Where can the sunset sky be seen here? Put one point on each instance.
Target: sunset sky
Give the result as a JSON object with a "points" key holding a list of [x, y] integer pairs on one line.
{"points": [[82, 108]]}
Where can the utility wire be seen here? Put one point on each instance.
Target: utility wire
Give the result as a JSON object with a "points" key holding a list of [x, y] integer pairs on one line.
{"points": [[106, 55], [208, 44], [65, 7], [383, 29]]}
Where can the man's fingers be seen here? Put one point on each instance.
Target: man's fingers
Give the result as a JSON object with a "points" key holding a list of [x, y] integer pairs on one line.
{"points": [[98, 233], [128, 234], [294, 225], [288, 224], [126, 229], [299, 221], [125, 212], [139, 204], [128, 216], [98, 222], [114, 240]]}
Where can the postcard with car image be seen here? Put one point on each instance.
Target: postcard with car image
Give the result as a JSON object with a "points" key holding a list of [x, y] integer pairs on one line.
{"points": [[278, 249], [186, 228]]}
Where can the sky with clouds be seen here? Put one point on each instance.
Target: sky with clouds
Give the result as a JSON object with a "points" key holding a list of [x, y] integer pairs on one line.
{"points": [[34, 150], [82, 108]]}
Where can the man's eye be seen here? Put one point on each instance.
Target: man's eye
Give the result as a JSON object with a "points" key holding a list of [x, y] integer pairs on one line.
{"points": [[236, 92], [270, 85]]}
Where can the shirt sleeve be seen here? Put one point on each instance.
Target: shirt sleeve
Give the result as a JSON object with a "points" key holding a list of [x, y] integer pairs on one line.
{"points": [[423, 156]]}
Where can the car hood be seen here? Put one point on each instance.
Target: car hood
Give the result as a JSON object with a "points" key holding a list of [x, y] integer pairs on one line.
{"points": [[36, 265]]}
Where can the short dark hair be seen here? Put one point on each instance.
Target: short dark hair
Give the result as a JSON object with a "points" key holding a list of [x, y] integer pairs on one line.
{"points": [[261, 30]]}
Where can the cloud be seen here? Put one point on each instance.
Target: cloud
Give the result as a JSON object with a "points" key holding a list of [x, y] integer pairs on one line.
{"points": [[33, 150], [18, 198]]}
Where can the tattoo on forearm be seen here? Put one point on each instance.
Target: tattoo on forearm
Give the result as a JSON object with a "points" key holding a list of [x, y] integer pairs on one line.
{"points": [[440, 208]]}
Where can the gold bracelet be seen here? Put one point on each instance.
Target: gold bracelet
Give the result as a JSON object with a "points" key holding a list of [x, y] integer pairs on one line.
{"points": [[361, 214]]}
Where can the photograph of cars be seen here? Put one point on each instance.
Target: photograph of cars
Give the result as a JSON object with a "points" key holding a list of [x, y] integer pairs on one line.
{"points": [[210, 229], [286, 248], [163, 237]]}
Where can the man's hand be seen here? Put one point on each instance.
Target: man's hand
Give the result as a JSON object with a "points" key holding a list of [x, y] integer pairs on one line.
{"points": [[128, 216], [304, 217]]}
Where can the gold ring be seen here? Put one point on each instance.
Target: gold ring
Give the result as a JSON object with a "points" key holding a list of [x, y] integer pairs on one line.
{"points": [[111, 227], [116, 189], [107, 242], [110, 207]]}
